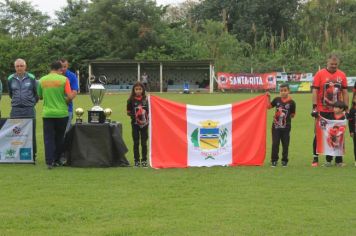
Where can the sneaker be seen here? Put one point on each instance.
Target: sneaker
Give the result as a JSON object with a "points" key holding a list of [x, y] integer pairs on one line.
{"points": [[327, 164], [273, 164], [137, 164], [284, 163], [50, 167], [58, 163], [341, 164], [144, 164], [315, 164]]}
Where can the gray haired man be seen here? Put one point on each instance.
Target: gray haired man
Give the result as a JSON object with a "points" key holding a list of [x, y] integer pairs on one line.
{"points": [[23, 93]]}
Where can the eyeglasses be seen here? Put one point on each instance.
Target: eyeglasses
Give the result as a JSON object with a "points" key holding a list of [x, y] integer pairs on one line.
{"points": [[20, 66]]}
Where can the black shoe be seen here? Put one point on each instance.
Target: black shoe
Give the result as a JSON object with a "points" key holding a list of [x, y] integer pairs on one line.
{"points": [[274, 164], [144, 164], [284, 163], [137, 164]]}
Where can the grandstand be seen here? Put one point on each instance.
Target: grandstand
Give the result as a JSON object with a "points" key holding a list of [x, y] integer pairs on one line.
{"points": [[163, 75]]}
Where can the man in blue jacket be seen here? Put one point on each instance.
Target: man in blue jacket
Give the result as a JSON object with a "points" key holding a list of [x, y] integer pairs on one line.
{"points": [[74, 85], [23, 93]]}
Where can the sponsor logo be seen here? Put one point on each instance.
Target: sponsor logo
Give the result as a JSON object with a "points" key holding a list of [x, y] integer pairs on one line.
{"points": [[16, 130], [17, 143], [222, 79], [25, 154], [10, 154]]}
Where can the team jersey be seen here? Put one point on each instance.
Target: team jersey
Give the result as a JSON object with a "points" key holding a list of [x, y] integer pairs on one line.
{"points": [[329, 86], [285, 109], [137, 109], [52, 88]]}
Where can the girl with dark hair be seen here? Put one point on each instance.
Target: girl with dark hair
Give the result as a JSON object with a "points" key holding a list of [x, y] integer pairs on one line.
{"points": [[137, 109]]}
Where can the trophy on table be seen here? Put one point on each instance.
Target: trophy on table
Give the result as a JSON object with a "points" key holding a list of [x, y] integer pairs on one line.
{"points": [[96, 90], [79, 112], [107, 113]]}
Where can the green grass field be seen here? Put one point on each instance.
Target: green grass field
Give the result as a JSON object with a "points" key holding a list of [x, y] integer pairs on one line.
{"points": [[297, 200]]}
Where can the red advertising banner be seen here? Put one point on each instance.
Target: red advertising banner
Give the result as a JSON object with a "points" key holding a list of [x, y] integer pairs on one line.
{"points": [[247, 81]]}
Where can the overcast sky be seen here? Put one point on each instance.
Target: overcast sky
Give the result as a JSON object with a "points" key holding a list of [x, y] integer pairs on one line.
{"points": [[51, 6]]}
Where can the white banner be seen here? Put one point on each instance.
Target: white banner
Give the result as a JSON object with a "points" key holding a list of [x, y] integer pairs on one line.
{"points": [[330, 136], [351, 81], [16, 141]]}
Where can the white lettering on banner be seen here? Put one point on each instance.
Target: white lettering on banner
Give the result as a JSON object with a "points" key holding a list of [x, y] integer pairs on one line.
{"points": [[245, 80]]}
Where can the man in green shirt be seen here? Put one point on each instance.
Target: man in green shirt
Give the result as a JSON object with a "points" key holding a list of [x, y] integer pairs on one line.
{"points": [[56, 93]]}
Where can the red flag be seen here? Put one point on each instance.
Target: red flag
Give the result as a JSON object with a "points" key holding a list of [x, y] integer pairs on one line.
{"points": [[185, 135]]}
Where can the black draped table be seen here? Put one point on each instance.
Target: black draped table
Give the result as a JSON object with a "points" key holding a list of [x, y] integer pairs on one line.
{"points": [[95, 145]]}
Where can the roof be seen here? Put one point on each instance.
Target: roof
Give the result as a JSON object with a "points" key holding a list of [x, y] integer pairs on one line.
{"points": [[191, 63]]}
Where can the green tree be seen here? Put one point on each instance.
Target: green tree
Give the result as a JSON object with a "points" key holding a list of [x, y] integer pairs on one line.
{"points": [[328, 23], [249, 19], [73, 10], [21, 19]]}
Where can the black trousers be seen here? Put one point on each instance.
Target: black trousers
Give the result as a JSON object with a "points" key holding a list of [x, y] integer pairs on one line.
{"points": [[140, 134], [53, 135], [338, 159], [280, 136]]}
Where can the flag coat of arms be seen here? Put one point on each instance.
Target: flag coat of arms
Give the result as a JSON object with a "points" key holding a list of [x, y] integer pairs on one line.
{"points": [[184, 135], [330, 136]]}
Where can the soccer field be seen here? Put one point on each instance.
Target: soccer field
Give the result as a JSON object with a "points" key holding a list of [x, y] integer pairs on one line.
{"points": [[297, 200]]}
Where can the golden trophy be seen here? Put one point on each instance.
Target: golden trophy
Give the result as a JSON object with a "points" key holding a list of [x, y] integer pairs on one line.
{"points": [[79, 112], [107, 113]]}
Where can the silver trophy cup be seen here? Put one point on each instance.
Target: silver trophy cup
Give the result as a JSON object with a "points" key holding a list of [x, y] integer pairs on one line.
{"points": [[97, 92]]}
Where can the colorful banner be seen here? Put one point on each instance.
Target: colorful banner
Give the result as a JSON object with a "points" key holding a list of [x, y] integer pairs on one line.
{"points": [[185, 135], [294, 77], [16, 141], [300, 77], [246, 81], [330, 136], [297, 86]]}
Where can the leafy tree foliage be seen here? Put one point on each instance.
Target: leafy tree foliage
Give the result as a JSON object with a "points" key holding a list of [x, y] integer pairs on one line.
{"points": [[250, 19], [21, 19]]}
